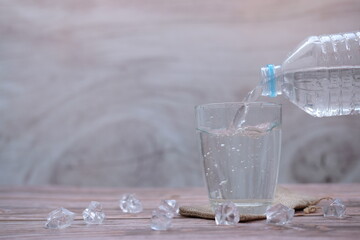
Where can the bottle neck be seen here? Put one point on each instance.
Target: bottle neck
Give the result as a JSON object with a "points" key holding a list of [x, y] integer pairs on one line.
{"points": [[271, 80]]}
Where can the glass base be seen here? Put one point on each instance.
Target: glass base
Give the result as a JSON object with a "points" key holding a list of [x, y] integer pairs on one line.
{"points": [[246, 207]]}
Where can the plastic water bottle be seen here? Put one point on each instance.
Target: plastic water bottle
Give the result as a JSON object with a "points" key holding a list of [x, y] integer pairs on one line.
{"points": [[322, 75]]}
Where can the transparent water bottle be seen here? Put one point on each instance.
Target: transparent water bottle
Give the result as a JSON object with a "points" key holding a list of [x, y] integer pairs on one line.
{"points": [[322, 76]]}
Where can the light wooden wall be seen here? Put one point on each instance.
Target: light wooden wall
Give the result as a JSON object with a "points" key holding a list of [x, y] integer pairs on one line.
{"points": [[103, 92]]}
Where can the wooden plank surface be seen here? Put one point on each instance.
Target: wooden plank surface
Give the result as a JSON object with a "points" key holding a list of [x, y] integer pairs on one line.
{"points": [[23, 211]]}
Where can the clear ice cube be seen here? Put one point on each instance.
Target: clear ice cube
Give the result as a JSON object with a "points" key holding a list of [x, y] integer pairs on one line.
{"points": [[160, 220], [279, 214], [335, 209], [93, 214], [130, 204], [59, 218], [227, 214], [170, 206]]}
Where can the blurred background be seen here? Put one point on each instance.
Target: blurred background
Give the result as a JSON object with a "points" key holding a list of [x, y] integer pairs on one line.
{"points": [[102, 92]]}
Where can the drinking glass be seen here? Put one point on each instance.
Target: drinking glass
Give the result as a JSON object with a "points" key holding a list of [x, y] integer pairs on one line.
{"points": [[241, 160]]}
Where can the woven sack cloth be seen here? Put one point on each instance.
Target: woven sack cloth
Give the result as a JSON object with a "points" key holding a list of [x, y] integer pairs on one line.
{"points": [[283, 195]]}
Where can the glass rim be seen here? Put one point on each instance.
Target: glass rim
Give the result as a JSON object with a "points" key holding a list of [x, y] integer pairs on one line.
{"points": [[223, 104]]}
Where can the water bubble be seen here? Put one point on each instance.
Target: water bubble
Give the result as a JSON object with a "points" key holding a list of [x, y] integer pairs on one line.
{"points": [[223, 182], [222, 145]]}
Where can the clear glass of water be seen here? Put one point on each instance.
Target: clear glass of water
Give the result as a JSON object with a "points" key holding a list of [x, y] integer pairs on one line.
{"points": [[241, 163]]}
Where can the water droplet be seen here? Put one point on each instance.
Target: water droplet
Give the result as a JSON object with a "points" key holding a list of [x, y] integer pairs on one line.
{"points": [[222, 145], [233, 148]]}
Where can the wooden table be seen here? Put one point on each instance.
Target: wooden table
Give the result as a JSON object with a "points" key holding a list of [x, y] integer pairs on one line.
{"points": [[23, 211]]}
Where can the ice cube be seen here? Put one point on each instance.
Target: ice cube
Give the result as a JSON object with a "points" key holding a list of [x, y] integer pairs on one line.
{"points": [[279, 214], [170, 206], [335, 209], [59, 218], [93, 214], [130, 204], [160, 220], [227, 214]]}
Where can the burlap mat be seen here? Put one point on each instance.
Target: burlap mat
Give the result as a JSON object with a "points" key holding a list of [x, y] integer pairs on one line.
{"points": [[282, 195]]}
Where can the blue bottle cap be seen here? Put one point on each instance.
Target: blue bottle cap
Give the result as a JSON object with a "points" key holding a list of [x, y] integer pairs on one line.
{"points": [[271, 80]]}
